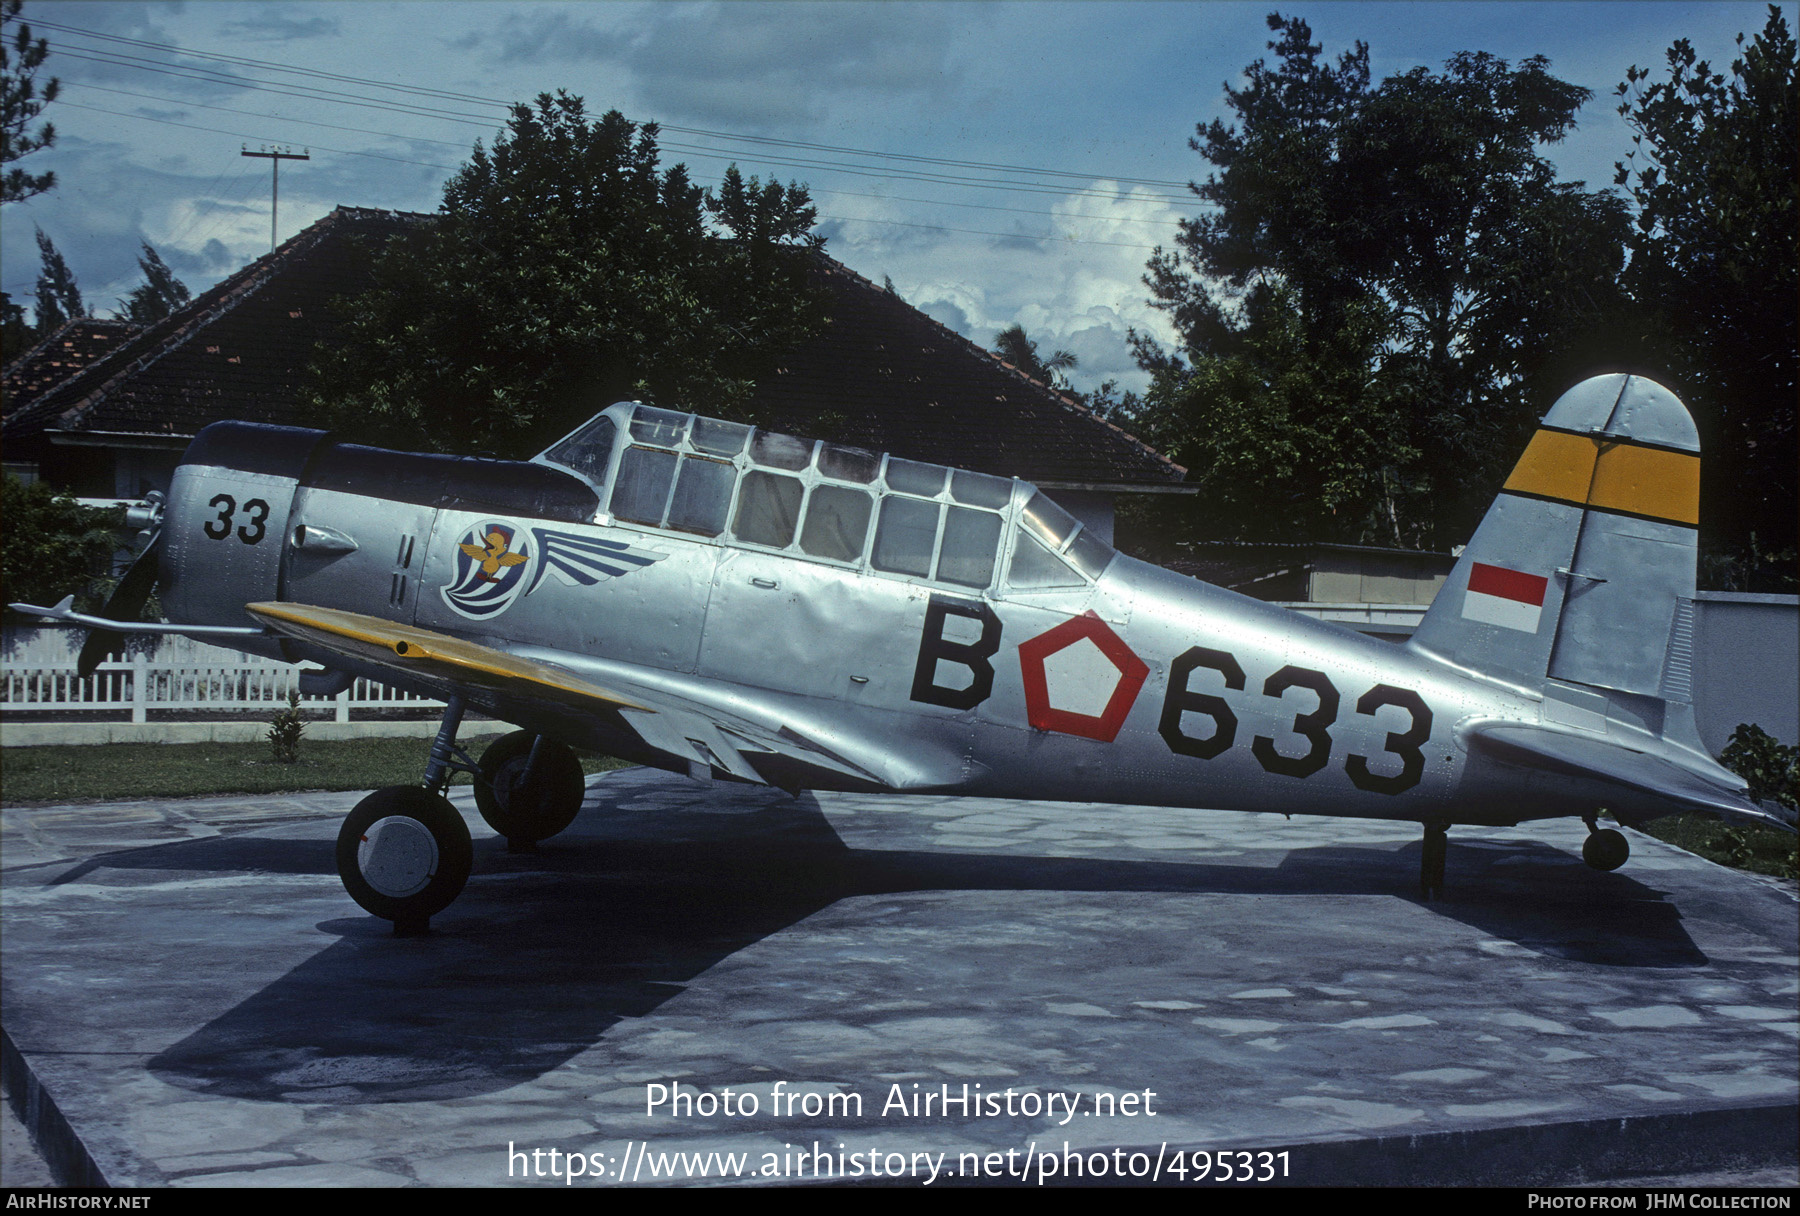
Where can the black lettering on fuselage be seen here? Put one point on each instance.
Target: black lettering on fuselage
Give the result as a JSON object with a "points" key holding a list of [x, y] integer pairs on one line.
{"points": [[1313, 726], [1180, 700], [933, 645]]}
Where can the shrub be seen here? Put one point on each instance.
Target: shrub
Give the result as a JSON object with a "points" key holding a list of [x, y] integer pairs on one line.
{"points": [[285, 731]]}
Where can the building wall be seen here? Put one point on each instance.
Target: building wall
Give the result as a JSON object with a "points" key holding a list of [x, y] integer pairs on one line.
{"points": [[1373, 578], [1747, 664]]}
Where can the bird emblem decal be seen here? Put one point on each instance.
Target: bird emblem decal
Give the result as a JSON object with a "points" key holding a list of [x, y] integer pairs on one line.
{"points": [[493, 556]]}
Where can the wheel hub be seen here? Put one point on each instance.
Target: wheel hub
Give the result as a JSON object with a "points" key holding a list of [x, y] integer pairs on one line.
{"points": [[397, 856]]}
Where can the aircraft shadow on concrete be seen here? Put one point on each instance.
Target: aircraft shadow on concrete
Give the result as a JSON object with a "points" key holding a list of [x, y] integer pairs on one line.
{"points": [[544, 953]]}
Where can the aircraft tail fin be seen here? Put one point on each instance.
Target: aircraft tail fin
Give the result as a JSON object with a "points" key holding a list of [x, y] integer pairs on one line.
{"points": [[1582, 573]]}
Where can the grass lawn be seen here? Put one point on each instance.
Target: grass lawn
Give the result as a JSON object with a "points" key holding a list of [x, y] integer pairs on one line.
{"points": [[177, 770], [1757, 849]]}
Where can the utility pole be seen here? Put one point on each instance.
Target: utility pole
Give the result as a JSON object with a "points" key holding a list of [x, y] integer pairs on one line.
{"points": [[275, 156]]}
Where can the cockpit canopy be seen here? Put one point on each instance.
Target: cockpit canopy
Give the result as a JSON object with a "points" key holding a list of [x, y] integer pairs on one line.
{"points": [[758, 489]]}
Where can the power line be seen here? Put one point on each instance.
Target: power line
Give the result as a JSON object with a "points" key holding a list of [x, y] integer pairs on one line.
{"points": [[1050, 237], [170, 122], [422, 111], [819, 190]]}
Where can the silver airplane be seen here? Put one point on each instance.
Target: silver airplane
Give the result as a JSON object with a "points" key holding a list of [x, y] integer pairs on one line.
{"points": [[741, 605]]}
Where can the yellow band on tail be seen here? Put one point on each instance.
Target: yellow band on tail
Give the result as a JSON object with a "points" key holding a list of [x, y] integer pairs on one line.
{"points": [[1610, 475]]}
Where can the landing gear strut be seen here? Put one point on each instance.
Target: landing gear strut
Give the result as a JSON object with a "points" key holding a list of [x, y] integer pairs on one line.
{"points": [[1431, 858], [1605, 848], [404, 853]]}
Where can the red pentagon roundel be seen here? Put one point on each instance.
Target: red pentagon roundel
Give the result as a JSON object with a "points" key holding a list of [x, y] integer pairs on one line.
{"points": [[1045, 683]]}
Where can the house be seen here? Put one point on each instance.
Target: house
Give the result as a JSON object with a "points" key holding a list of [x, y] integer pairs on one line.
{"points": [[882, 375], [73, 346]]}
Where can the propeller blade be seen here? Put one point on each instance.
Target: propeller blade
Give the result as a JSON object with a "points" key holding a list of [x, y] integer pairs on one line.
{"points": [[126, 601]]}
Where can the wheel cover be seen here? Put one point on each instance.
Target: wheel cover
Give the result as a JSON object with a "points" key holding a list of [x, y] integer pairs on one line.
{"points": [[397, 856]]}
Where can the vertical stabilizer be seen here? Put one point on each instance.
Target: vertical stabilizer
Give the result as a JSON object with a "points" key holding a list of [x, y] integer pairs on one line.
{"points": [[1583, 569]]}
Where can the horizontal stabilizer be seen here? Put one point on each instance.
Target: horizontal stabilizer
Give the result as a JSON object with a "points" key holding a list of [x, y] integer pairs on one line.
{"points": [[1602, 760]]}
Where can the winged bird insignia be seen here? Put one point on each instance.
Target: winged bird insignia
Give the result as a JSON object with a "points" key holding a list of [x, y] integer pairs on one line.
{"points": [[494, 556]]}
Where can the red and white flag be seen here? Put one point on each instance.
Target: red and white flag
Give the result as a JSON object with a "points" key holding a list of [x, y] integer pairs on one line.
{"points": [[1508, 598]]}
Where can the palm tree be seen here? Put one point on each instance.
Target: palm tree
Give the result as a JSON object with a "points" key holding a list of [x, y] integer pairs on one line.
{"points": [[1011, 345]]}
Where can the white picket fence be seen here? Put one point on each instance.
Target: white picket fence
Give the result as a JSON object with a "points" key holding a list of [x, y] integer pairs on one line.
{"points": [[177, 674]]}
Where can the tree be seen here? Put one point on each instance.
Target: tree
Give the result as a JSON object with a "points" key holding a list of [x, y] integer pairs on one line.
{"points": [[16, 334], [160, 294], [1398, 264], [1011, 345], [1715, 259], [54, 545], [565, 271], [58, 294], [20, 104]]}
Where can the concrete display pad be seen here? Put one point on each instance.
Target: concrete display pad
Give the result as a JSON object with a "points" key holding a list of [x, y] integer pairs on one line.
{"points": [[190, 998]]}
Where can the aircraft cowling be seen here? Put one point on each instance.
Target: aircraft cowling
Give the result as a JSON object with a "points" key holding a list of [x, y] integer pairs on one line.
{"points": [[227, 519]]}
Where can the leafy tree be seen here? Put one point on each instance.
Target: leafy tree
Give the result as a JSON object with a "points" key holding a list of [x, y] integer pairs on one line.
{"points": [[1393, 271], [58, 294], [1715, 257], [21, 103], [160, 294], [1293, 435], [1014, 347], [54, 546], [566, 270], [15, 332]]}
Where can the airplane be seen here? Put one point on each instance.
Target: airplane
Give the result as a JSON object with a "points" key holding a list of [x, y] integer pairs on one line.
{"points": [[741, 605]]}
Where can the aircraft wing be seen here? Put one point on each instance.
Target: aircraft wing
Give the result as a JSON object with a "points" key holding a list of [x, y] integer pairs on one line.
{"points": [[1577, 756], [723, 734]]}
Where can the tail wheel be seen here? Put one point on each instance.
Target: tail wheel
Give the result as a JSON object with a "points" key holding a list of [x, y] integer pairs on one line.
{"points": [[523, 811], [404, 855], [1605, 849]]}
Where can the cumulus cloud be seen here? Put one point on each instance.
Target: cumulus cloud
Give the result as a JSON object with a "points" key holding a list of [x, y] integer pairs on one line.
{"points": [[1075, 283], [742, 65]]}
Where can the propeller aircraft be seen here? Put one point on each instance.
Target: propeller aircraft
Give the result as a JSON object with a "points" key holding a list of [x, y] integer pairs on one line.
{"points": [[741, 605]]}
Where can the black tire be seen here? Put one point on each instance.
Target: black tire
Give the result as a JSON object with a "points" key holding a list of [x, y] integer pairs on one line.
{"points": [[425, 861], [1605, 849], [528, 814]]}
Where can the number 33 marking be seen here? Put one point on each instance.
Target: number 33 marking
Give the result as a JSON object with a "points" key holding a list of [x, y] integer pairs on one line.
{"points": [[250, 533]]}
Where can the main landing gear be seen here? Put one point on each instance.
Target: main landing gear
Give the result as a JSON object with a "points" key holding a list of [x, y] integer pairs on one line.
{"points": [[1605, 848], [528, 789], [404, 852]]}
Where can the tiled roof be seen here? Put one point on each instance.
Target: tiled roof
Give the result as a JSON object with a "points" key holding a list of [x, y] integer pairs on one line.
{"points": [[72, 347], [882, 375], [239, 350]]}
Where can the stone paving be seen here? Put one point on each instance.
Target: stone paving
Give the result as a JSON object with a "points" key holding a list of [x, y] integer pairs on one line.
{"points": [[201, 1001]]}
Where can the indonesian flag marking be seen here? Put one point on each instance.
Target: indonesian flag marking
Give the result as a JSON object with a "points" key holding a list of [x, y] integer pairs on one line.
{"points": [[1508, 598]]}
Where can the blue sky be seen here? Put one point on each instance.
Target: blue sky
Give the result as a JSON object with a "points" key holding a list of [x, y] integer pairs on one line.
{"points": [[1071, 120]]}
